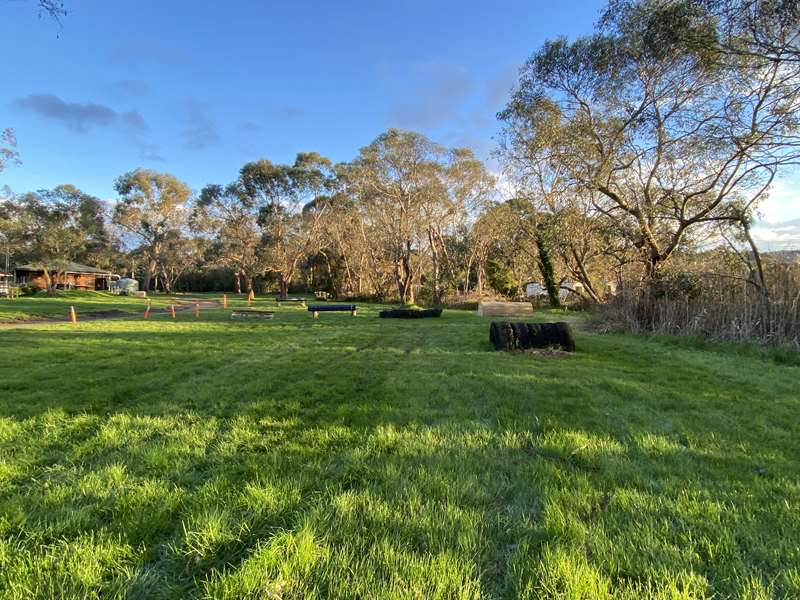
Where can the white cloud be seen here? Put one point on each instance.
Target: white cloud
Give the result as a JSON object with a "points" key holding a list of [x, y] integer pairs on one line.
{"points": [[778, 227], [783, 203], [777, 236]]}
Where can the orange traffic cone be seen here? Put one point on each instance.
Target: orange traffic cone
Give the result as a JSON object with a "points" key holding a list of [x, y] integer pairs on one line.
{"points": [[73, 316]]}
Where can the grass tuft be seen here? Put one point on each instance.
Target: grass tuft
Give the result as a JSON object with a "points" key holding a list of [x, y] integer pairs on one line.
{"points": [[378, 458]]}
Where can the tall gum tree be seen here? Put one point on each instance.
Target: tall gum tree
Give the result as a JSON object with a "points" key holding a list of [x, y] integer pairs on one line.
{"points": [[281, 192], [412, 191], [152, 207], [56, 227], [229, 218], [666, 130]]}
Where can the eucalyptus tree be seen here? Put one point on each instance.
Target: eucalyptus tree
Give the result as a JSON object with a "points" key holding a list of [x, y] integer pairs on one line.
{"points": [[342, 244], [767, 30], [280, 193], [466, 187], [152, 207], [8, 149], [53, 228], [664, 131], [411, 192], [229, 217], [179, 253]]}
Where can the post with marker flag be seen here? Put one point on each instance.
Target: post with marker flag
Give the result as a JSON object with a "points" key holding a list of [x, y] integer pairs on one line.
{"points": [[196, 310], [224, 300], [73, 316]]}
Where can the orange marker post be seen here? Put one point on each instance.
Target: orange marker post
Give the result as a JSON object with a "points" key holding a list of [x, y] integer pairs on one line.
{"points": [[250, 298], [224, 300], [172, 310], [196, 310], [73, 316], [147, 310]]}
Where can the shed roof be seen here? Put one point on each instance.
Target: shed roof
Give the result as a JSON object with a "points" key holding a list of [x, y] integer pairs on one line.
{"points": [[68, 267]]}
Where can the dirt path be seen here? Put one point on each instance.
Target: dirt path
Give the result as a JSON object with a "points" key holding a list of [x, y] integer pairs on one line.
{"points": [[181, 305]]}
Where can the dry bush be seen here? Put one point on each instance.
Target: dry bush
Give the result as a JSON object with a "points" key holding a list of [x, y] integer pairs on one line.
{"points": [[721, 307]]}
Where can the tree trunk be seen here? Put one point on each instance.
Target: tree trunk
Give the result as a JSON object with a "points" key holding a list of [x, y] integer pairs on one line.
{"points": [[48, 282], [404, 277], [646, 303], [583, 276], [237, 282], [547, 271], [332, 277], [765, 303], [437, 292]]}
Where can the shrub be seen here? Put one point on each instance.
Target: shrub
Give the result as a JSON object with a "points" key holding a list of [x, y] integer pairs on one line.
{"points": [[28, 290], [500, 278], [722, 308]]}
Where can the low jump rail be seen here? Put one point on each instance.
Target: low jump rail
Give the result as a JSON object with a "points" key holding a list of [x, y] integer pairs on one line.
{"points": [[315, 309]]}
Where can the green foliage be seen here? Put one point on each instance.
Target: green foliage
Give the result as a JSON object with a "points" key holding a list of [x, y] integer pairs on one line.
{"points": [[365, 457], [546, 268], [27, 290], [676, 285], [8, 149], [501, 278], [584, 107]]}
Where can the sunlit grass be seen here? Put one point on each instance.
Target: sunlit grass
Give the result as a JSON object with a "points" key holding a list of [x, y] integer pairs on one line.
{"points": [[374, 458], [41, 306]]}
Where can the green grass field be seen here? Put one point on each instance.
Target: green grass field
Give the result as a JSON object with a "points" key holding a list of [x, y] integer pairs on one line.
{"points": [[86, 304], [370, 458]]}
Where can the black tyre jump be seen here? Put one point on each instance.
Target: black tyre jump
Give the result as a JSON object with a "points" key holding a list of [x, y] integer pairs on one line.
{"points": [[506, 335]]}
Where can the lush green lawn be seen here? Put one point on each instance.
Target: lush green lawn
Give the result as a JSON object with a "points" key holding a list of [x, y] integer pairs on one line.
{"points": [[41, 306], [369, 458]]}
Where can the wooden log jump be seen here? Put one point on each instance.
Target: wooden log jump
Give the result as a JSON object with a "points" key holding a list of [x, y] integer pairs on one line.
{"points": [[315, 309]]}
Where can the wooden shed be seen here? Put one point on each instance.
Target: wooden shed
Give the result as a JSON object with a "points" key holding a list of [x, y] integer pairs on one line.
{"points": [[71, 276]]}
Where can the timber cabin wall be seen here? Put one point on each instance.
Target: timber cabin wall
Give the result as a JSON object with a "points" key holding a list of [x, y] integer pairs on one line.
{"points": [[80, 281]]}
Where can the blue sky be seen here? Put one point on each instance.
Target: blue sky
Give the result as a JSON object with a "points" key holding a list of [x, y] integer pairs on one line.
{"points": [[200, 88]]}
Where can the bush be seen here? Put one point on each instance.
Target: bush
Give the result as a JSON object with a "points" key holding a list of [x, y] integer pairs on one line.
{"points": [[500, 278], [28, 290], [717, 307]]}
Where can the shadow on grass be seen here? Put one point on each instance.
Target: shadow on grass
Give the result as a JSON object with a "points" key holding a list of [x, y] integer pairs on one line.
{"points": [[202, 443]]}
